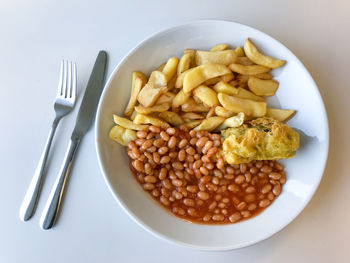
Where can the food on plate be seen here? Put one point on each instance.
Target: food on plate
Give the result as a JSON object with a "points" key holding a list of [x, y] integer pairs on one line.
{"points": [[263, 87], [254, 55], [201, 138], [260, 139]]}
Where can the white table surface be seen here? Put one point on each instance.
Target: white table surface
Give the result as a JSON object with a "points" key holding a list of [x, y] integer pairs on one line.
{"points": [[35, 35]]}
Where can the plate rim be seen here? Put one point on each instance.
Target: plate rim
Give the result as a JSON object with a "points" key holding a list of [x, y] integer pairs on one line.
{"points": [[134, 217]]}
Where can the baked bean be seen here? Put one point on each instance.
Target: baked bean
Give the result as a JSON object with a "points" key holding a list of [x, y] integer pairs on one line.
{"points": [[275, 176], [267, 188], [206, 159], [193, 133], [233, 188], [162, 173], [139, 142], [212, 187], [188, 202], [165, 192], [215, 180], [217, 143], [172, 142], [148, 169], [164, 201], [230, 170], [190, 150], [264, 203], [183, 143], [229, 176], [148, 186], [259, 164], [164, 136], [165, 159], [192, 188], [156, 157], [152, 149], [248, 177], [277, 189], [220, 163], [278, 166], [176, 182], [154, 129], [163, 150], [245, 214], [239, 179], [204, 170], [201, 142], [155, 192], [177, 195], [150, 178], [243, 168], [270, 196], [235, 217], [218, 197], [159, 142], [203, 195], [209, 166], [173, 155], [283, 180], [197, 156], [179, 174], [131, 155], [250, 189], [189, 158], [136, 152], [241, 205], [212, 205], [138, 165], [218, 217], [206, 218], [197, 164], [177, 165], [192, 212], [250, 198], [205, 179], [141, 134], [253, 170], [166, 183], [131, 145], [266, 169], [212, 151], [150, 135], [172, 175], [170, 131], [193, 141]]}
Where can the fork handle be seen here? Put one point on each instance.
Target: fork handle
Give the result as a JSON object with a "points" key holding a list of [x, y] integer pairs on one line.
{"points": [[31, 198], [53, 203]]}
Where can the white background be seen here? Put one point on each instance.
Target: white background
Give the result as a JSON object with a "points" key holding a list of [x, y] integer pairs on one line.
{"points": [[35, 35]]}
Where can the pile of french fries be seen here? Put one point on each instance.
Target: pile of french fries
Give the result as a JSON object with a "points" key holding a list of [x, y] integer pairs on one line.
{"points": [[204, 90]]}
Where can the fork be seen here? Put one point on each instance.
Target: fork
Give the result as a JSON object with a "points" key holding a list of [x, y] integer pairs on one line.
{"points": [[64, 103]]}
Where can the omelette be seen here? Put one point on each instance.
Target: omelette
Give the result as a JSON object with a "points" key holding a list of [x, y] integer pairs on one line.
{"points": [[260, 139]]}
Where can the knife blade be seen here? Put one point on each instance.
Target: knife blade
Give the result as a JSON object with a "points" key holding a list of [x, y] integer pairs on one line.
{"points": [[85, 116], [91, 97]]}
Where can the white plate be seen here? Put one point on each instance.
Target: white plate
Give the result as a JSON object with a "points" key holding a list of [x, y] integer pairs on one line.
{"points": [[297, 91]]}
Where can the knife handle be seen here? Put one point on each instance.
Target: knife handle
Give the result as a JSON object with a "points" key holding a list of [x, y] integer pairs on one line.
{"points": [[50, 212]]}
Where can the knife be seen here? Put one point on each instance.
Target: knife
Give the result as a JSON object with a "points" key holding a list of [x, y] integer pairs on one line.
{"points": [[85, 116]]}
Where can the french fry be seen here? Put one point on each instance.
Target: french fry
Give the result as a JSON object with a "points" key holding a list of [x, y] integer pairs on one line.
{"points": [[202, 73], [171, 83], [232, 122], [189, 116], [239, 51], [250, 107], [121, 135], [191, 124], [266, 75], [181, 77], [211, 112], [144, 119], [193, 57], [244, 61], [133, 115], [225, 57], [156, 108], [180, 99], [191, 106], [138, 81], [222, 112], [246, 94], [227, 77], [161, 67], [212, 81], [171, 117], [262, 87], [156, 86], [254, 55], [248, 70], [184, 63], [210, 124], [223, 87], [242, 79], [219, 47], [170, 68], [206, 95], [279, 114], [166, 98], [127, 124]]}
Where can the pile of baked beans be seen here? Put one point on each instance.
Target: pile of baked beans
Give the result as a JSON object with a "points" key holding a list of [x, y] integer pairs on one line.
{"points": [[184, 171]]}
